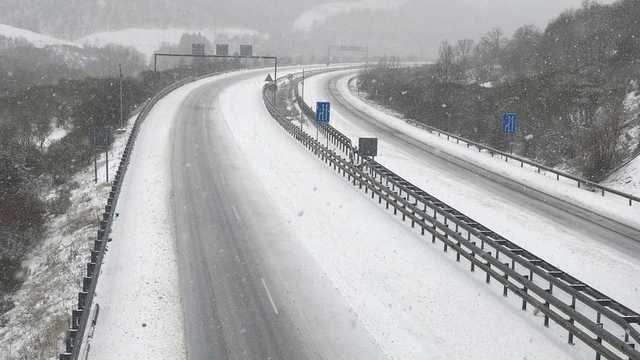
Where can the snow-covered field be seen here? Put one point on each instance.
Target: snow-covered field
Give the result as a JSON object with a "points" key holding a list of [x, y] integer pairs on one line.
{"points": [[37, 39], [35, 326], [575, 250]]}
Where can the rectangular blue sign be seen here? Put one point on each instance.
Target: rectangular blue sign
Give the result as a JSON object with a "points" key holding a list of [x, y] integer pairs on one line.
{"points": [[509, 123], [323, 112]]}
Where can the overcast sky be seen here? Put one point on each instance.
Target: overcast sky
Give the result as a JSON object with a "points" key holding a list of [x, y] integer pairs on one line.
{"points": [[418, 26], [399, 27]]}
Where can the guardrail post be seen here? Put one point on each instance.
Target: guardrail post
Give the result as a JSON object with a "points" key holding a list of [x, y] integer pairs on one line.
{"points": [[546, 304], [571, 320], [473, 257], [82, 300], [505, 290], [524, 298], [86, 283], [488, 275], [599, 338]]}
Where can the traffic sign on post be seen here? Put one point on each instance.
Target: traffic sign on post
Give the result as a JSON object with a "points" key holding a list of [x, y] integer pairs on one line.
{"points": [[323, 112], [246, 50], [101, 136], [509, 123], [222, 49], [368, 147], [197, 49]]}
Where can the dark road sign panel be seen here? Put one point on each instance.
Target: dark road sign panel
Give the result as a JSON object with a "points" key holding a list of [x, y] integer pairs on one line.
{"points": [[197, 49], [101, 136], [246, 50], [352, 48], [222, 49], [323, 112], [368, 147]]}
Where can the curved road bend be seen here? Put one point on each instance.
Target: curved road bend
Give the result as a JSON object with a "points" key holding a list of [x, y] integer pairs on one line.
{"points": [[545, 205], [248, 291], [614, 247]]}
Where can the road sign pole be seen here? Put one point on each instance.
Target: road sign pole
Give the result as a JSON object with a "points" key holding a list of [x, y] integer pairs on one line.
{"points": [[121, 100], [275, 82], [302, 112], [106, 154], [95, 165]]}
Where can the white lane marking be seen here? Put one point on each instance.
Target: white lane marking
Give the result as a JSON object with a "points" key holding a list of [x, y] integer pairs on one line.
{"points": [[235, 212], [273, 304]]}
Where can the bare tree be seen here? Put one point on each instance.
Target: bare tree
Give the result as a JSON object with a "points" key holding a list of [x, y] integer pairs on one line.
{"points": [[446, 66]]}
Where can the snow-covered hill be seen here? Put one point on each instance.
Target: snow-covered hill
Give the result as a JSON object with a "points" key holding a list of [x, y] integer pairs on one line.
{"points": [[147, 41], [38, 40]]}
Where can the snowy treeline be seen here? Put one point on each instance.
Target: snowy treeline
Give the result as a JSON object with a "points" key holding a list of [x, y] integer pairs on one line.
{"points": [[568, 84]]}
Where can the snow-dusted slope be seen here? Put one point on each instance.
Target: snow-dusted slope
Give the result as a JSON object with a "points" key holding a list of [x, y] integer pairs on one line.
{"points": [[577, 246], [627, 178], [37, 39]]}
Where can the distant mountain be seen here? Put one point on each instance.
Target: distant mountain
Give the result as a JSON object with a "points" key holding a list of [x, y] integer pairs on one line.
{"points": [[36, 39], [71, 19], [397, 27]]}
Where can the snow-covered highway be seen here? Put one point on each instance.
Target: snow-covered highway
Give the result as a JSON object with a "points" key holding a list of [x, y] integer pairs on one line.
{"points": [[581, 243], [234, 242]]}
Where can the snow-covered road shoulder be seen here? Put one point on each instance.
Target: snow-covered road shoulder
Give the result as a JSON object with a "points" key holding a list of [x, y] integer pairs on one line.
{"points": [[610, 206], [138, 292]]}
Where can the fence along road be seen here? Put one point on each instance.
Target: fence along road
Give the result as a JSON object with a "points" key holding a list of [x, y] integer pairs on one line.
{"points": [[603, 324]]}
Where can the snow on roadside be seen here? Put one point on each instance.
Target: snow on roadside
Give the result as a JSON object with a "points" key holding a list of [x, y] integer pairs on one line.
{"points": [[38, 40], [626, 178], [612, 206], [580, 252], [34, 327], [56, 134]]}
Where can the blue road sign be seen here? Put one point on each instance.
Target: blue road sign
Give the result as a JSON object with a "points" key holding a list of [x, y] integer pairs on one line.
{"points": [[509, 123], [323, 112]]}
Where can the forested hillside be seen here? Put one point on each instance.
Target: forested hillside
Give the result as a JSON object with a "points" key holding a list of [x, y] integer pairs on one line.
{"points": [[33, 164], [23, 65], [572, 84]]}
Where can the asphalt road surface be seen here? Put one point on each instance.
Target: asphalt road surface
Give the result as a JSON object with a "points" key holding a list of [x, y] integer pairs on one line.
{"points": [[248, 291]]}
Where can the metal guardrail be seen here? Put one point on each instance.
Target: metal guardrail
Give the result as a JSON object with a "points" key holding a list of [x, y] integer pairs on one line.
{"points": [[80, 315], [539, 167], [605, 325]]}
